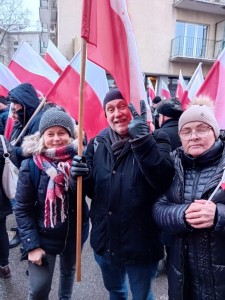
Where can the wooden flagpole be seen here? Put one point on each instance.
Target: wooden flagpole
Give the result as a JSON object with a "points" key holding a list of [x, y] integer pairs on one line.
{"points": [[80, 150]]}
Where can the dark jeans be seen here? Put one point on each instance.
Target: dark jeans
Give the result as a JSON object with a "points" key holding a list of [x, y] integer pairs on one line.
{"points": [[4, 244], [140, 279], [41, 277]]}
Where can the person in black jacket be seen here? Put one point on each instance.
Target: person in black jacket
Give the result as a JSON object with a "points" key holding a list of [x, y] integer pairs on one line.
{"points": [[4, 111], [192, 211], [5, 210], [46, 211], [170, 111], [126, 168]]}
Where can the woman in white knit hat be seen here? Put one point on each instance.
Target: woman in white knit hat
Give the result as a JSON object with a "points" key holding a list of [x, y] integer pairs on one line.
{"points": [[195, 226]]}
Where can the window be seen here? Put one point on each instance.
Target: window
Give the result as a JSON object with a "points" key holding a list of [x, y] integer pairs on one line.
{"points": [[191, 39]]}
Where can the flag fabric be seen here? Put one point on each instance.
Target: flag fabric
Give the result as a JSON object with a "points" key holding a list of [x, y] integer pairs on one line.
{"points": [[214, 87], [181, 85], [28, 66], [111, 44], [55, 58], [7, 80], [165, 92], [66, 94], [193, 86], [151, 91]]}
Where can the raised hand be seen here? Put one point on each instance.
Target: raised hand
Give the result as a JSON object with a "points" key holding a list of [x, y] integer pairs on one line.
{"points": [[138, 126]]}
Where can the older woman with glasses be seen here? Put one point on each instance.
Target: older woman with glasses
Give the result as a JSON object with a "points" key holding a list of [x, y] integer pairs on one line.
{"points": [[195, 226]]}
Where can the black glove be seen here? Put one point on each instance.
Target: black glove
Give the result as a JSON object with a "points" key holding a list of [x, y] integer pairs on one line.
{"points": [[79, 167], [138, 126]]}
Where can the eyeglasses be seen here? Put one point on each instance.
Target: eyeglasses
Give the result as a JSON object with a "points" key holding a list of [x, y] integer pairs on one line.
{"points": [[200, 132]]}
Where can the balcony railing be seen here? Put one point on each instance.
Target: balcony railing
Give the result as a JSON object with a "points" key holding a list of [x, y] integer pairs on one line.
{"points": [[206, 1], [195, 48]]}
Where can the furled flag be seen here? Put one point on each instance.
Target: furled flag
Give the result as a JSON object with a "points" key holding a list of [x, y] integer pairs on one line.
{"points": [[192, 87], [7, 82], [29, 66], [55, 58], [181, 85], [165, 92], [111, 44], [151, 91], [66, 93], [214, 87]]}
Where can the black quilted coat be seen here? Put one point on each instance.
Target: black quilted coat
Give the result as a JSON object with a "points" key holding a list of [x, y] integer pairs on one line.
{"points": [[196, 257]]}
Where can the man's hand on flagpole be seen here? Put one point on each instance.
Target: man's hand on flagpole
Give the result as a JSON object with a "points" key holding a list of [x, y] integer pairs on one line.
{"points": [[138, 126]]}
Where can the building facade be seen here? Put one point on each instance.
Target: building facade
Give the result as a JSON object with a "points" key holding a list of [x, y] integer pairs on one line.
{"points": [[171, 35]]}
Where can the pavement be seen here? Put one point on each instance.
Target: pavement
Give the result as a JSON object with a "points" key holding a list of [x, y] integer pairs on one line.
{"points": [[90, 288]]}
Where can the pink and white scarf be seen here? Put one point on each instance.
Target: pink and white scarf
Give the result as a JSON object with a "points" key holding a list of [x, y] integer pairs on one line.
{"points": [[56, 163]]}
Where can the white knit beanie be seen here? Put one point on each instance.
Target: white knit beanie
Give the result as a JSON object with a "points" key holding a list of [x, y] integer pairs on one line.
{"points": [[199, 113]]}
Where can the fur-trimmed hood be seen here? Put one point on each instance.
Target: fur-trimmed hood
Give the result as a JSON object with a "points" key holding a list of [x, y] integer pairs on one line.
{"points": [[29, 144]]}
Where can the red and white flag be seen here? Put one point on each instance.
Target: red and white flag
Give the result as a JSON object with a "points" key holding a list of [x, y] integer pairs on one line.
{"points": [[29, 66], [7, 82], [151, 91], [165, 92], [111, 44], [214, 87], [55, 58], [193, 86], [181, 85], [66, 93]]}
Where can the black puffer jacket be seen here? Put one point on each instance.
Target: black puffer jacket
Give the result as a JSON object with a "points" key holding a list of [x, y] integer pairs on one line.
{"points": [[30, 209], [199, 252], [123, 191]]}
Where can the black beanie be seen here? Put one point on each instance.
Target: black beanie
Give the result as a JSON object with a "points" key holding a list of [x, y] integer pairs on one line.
{"points": [[156, 100], [112, 94], [171, 108]]}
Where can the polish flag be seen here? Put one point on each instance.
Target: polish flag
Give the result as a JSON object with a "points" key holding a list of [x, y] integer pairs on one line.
{"points": [[111, 44], [151, 91], [165, 92], [193, 86], [29, 66], [214, 87], [181, 85], [66, 94], [55, 58], [7, 82]]}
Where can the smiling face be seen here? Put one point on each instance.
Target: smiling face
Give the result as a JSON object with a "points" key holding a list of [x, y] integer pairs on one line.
{"points": [[55, 137], [118, 116], [196, 145]]}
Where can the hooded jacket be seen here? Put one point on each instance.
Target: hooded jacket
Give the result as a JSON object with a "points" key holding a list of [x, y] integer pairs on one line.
{"points": [[196, 257], [123, 190], [25, 95], [30, 209]]}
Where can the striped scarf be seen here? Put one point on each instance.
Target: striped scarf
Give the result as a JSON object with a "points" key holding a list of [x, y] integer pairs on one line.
{"points": [[56, 163]]}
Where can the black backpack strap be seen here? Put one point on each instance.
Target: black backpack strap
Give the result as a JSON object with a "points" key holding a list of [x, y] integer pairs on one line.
{"points": [[34, 173]]}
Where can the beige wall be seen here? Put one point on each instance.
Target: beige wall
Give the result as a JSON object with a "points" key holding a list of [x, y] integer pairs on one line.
{"points": [[153, 23]]}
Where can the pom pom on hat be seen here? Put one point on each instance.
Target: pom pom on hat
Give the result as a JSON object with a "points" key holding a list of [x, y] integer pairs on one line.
{"points": [[200, 110], [54, 117]]}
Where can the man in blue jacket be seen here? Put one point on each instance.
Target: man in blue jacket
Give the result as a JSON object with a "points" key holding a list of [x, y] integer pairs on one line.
{"points": [[126, 167]]}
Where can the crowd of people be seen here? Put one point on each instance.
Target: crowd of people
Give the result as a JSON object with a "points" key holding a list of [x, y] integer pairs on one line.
{"points": [[155, 193]]}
